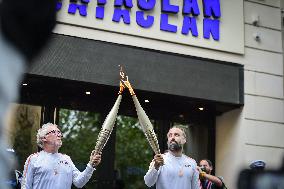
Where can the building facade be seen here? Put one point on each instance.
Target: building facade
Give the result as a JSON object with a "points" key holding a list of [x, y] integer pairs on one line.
{"points": [[257, 128], [223, 56]]}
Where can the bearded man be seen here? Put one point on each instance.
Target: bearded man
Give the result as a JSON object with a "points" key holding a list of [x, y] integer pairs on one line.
{"points": [[49, 169], [173, 170]]}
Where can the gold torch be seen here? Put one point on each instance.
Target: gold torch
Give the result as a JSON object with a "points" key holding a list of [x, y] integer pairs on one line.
{"points": [[143, 118], [108, 124]]}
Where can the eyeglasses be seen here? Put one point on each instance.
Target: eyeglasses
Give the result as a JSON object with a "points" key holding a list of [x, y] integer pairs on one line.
{"points": [[54, 132]]}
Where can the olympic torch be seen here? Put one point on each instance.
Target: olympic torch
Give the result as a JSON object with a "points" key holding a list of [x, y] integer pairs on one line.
{"points": [[142, 117], [108, 124]]}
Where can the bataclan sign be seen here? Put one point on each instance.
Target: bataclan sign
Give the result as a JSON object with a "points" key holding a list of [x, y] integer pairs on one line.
{"points": [[190, 11]]}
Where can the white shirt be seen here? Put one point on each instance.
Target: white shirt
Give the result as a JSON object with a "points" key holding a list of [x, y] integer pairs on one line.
{"points": [[176, 173], [53, 171]]}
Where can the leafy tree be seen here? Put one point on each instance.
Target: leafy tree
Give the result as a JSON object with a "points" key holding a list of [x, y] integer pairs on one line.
{"points": [[23, 134], [133, 152], [80, 130]]}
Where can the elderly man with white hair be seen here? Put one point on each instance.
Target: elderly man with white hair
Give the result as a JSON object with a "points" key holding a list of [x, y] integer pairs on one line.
{"points": [[49, 169]]}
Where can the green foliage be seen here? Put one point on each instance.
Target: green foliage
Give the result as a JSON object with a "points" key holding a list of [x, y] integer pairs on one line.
{"points": [[80, 131], [22, 145], [24, 135], [133, 153]]}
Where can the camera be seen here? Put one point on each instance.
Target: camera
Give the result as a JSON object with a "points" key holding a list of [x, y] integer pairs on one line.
{"points": [[203, 168], [267, 179], [261, 179]]}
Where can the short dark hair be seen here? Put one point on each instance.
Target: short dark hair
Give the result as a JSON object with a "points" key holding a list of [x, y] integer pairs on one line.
{"points": [[208, 161], [181, 127]]}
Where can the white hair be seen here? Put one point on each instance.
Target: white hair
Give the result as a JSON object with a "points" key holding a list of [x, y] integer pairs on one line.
{"points": [[42, 132]]}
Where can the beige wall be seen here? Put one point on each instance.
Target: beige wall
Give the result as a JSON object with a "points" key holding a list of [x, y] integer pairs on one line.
{"points": [[256, 131]]}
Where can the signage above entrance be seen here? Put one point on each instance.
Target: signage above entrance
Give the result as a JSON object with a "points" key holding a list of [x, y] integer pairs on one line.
{"points": [[213, 24]]}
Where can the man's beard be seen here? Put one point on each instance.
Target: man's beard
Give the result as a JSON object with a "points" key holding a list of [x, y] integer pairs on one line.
{"points": [[57, 144], [174, 146]]}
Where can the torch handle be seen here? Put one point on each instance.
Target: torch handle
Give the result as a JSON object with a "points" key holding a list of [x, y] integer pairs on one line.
{"points": [[107, 127]]}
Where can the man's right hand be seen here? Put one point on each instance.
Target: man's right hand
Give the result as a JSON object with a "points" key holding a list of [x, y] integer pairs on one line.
{"points": [[158, 161], [95, 159]]}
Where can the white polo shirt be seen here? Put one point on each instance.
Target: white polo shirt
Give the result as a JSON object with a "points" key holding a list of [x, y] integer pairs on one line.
{"points": [[176, 173], [53, 171]]}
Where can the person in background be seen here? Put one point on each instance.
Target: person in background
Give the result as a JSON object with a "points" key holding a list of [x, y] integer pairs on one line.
{"points": [[207, 180], [49, 169], [173, 170], [25, 27]]}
